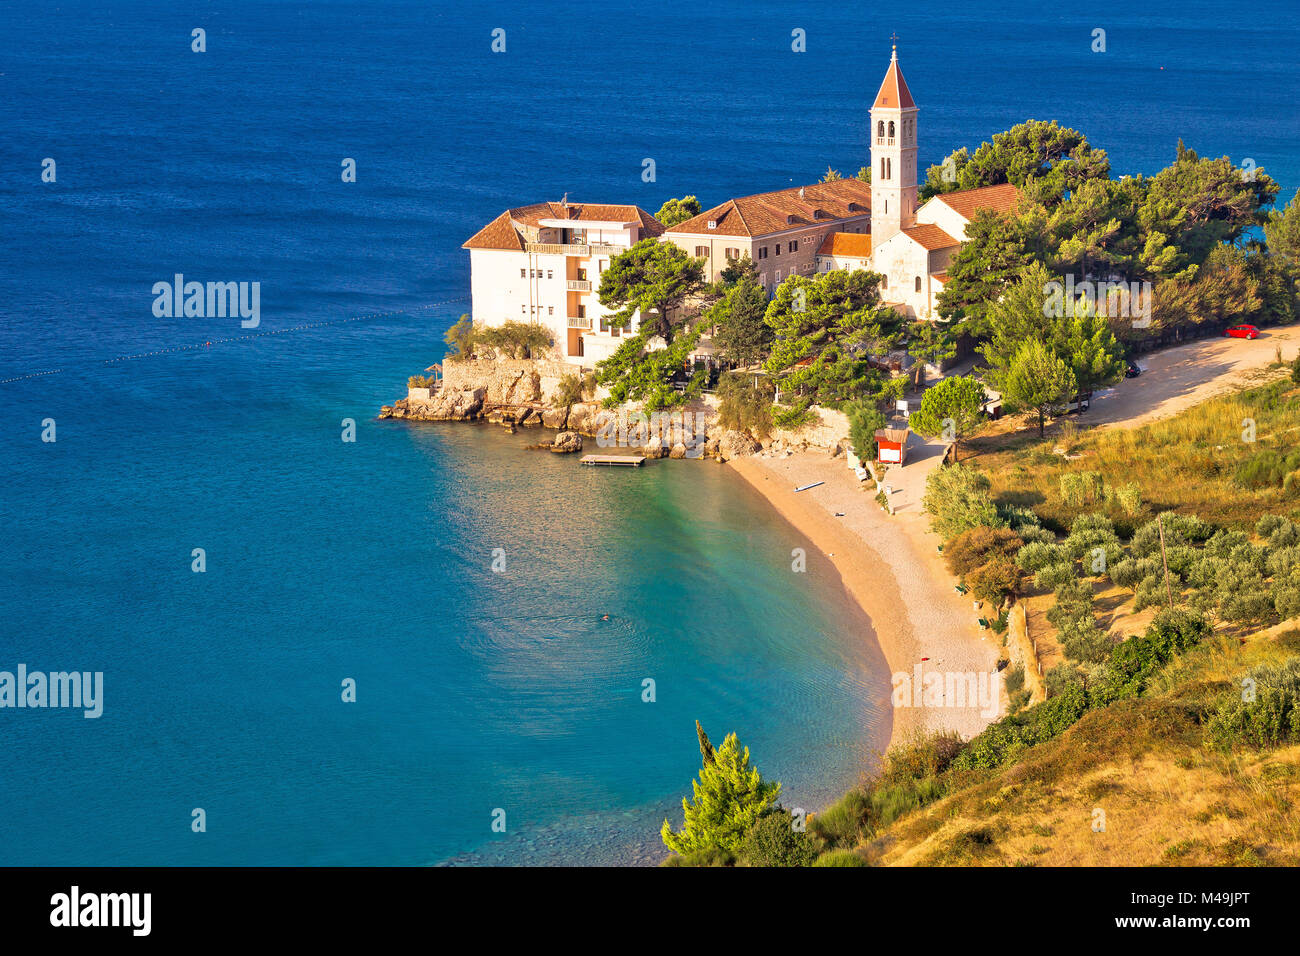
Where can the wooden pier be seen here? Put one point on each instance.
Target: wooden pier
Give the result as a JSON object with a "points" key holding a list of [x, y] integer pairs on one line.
{"points": [[634, 461]]}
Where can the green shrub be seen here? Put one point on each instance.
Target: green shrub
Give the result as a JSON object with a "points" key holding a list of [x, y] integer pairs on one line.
{"points": [[1061, 676], [1285, 535], [1267, 524], [1180, 530], [570, 391], [864, 419], [460, 339], [1265, 718], [977, 546], [774, 841], [516, 340], [995, 580], [1129, 497], [421, 381], [1055, 575], [1129, 573], [1126, 674], [744, 405], [1037, 555], [1086, 642], [1267, 468], [1286, 601], [1080, 488], [844, 822], [711, 857], [957, 499], [1014, 678], [839, 858]]}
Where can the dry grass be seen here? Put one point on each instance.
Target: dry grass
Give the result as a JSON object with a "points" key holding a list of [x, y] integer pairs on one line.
{"points": [[1185, 463], [1167, 800]]}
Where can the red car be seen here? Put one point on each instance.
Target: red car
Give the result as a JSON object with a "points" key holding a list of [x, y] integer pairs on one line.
{"points": [[1242, 332]]}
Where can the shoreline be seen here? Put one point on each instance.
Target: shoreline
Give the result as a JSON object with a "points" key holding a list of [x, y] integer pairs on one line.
{"points": [[881, 559]]}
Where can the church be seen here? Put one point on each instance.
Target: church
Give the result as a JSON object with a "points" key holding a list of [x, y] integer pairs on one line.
{"points": [[911, 246], [561, 250], [849, 224]]}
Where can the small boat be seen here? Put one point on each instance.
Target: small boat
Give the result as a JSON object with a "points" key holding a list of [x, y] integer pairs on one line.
{"points": [[813, 485]]}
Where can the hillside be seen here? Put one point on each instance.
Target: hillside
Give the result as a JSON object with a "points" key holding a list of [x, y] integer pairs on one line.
{"points": [[1171, 732]]}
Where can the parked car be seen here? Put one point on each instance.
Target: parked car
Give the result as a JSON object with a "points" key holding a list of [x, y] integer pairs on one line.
{"points": [[1133, 370], [1242, 332], [1080, 403]]}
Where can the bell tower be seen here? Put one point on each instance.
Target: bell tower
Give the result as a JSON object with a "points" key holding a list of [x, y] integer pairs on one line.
{"points": [[893, 155]]}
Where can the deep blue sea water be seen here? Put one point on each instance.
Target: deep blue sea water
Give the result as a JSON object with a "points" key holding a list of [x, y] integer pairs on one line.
{"points": [[372, 560]]}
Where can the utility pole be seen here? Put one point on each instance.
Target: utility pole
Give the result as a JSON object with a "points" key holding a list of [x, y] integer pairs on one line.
{"points": [[1160, 523]]}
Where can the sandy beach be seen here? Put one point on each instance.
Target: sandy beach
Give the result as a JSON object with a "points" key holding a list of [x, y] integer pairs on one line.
{"points": [[890, 566]]}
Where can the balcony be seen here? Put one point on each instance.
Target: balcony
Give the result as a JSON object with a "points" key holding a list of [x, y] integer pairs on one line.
{"points": [[578, 285], [884, 141], [579, 322], [559, 249]]}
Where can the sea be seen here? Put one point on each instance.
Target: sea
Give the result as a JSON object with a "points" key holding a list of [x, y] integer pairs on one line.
{"points": [[428, 645]]}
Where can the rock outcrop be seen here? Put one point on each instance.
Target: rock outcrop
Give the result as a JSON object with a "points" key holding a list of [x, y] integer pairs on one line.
{"points": [[524, 393], [566, 443]]}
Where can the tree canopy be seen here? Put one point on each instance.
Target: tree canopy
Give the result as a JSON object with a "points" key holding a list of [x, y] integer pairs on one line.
{"points": [[728, 799], [678, 210], [952, 408], [827, 326], [655, 277], [1037, 381]]}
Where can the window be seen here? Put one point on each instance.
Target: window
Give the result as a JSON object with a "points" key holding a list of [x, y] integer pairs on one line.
{"points": [[550, 310], [778, 276], [880, 128], [891, 129], [701, 252], [918, 283], [601, 266], [733, 253], [882, 167], [549, 273], [523, 273], [777, 247], [523, 310], [794, 246], [762, 252]]}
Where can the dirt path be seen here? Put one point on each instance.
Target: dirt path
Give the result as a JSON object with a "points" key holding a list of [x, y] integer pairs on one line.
{"points": [[1177, 378]]}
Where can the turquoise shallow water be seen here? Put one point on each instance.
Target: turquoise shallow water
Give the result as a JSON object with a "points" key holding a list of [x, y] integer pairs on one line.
{"points": [[372, 560]]}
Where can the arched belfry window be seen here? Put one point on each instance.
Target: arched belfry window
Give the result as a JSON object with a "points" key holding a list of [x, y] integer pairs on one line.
{"points": [[880, 128], [891, 129]]}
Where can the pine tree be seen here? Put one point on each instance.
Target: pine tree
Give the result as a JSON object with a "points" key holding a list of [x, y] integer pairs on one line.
{"points": [[729, 798]]}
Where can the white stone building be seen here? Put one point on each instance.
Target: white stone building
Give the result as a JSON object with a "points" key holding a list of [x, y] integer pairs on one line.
{"points": [[542, 263]]}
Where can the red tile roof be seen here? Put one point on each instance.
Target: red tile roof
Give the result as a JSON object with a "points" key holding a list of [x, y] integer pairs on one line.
{"points": [[931, 237], [967, 202], [846, 244], [503, 232], [894, 94], [766, 213]]}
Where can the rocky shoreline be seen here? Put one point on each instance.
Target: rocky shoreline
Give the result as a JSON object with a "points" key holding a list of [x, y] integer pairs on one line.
{"points": [[523, 394]]}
